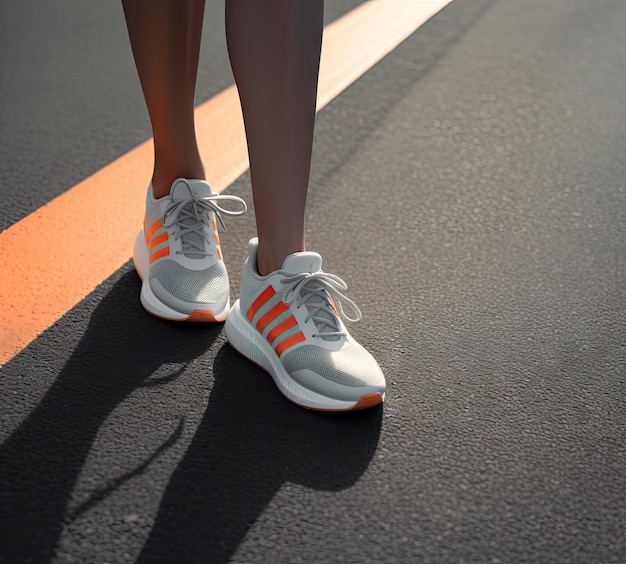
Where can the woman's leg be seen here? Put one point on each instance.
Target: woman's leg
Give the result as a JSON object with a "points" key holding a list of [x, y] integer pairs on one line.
{"points": [[165, 39], [274, 48], [290, 323]]}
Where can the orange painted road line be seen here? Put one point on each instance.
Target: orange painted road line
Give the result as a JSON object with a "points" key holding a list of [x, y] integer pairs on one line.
{"points": [[53, 258]]}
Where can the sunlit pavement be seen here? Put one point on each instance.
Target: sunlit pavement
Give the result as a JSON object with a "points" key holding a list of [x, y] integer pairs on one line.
{"points": [[470, 189]]}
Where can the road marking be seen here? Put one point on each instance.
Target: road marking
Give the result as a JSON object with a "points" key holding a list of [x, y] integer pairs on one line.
{"points": [[53, 258]]}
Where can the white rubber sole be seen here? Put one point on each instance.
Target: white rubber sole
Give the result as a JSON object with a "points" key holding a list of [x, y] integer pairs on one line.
{"points": [[247, 341], [156, 307]]}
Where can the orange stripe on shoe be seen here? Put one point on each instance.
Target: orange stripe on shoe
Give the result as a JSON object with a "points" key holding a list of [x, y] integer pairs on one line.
{"points": [[156, 255], [289, 342], [158, 240], [281, 328], [153, 229], [272, 314], [258, 303], [217, 241]]}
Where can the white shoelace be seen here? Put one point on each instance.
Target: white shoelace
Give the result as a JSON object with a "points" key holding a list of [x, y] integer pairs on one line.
{"points": [[318, 292], [187, 215]]}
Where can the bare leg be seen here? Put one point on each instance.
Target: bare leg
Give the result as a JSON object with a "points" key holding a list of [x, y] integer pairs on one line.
{"points": [[274, 48], [165, 39]]}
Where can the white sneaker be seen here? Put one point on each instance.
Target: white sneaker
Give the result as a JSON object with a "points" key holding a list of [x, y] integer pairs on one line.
{"points": [[290, 323], [177, 253]]}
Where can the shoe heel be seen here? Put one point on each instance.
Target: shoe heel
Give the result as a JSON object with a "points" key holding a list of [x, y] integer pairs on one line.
{"points": [[244, 341], [140, 254]]}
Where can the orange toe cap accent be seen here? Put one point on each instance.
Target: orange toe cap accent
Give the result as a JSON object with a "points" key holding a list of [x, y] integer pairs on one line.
{"points": [[202, 315], [369, 400]]}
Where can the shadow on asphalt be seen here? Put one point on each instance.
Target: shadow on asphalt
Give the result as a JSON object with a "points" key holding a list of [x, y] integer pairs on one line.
{"points": [[41, 461], [250, 442]]}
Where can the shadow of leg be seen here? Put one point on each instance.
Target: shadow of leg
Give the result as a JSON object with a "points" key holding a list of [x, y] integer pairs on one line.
{"points": [[250, 442], [40, 462]]}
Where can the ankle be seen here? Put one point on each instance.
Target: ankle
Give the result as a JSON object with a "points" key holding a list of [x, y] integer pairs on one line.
{"points": [[271, 259], [162, 180], [265, 265], [160, 188]]}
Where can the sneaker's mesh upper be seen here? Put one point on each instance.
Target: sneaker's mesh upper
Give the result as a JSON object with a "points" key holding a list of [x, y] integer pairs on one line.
{"points": [[194, 286], [349, 367]]}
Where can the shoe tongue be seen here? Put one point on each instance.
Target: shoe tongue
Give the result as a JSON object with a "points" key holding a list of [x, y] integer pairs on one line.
{"points": [[180, 189], [193, 241], [298, 263]]}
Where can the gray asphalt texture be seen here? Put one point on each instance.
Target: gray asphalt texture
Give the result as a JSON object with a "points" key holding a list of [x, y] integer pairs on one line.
{"points": [[471, 190]]}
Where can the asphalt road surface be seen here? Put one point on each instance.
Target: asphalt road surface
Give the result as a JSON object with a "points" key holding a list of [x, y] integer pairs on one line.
{"points": [[471, 190]]}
